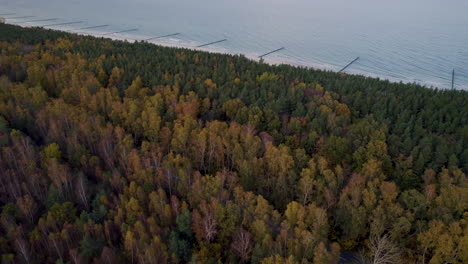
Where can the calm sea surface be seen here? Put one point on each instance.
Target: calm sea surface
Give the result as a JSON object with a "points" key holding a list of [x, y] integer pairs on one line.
{"points": [[401, 40]]}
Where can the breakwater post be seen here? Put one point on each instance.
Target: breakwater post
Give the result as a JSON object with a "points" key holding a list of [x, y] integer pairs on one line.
{"points": [[122, 31], [214, 42], [268, 53], [349, 64], [453, 78]]}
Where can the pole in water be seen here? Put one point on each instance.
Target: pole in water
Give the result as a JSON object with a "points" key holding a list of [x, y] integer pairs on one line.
{"points": [[122, 31], [214, 42], [164, 36], [453, 78], [268, 53], [349, 64], [61, 24]]}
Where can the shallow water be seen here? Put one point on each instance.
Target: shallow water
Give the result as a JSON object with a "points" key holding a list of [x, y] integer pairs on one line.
{"points": [[411, 41]]}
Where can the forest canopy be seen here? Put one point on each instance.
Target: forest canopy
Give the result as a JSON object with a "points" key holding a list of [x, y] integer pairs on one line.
{"points": [[116, 152]]}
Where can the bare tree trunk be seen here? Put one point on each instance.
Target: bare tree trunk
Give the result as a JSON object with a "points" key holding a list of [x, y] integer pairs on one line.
{"points": [[22, 247], [242, 244], [382, 250], [82, 192]]}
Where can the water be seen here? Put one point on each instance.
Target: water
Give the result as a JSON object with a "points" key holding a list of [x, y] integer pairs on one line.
{"points": [[411, 41]]}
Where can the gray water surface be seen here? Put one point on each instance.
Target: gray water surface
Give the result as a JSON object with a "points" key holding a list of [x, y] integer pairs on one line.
{"points": [[400, 40]]}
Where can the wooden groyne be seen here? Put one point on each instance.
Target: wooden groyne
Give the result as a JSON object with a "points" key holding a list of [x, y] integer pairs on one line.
{"points": [[163, 36], [268, 53], [21, 17], [39, 20], [349, 64], [91, 27], [122, 31], [62, 24], [211, 43]]}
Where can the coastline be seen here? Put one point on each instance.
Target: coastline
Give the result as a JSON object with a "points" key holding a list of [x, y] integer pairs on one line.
{"points": [[253, 57], [273, 60]]}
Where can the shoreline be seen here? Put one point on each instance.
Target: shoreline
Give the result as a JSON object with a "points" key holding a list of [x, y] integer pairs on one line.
{"points": [[274, 61], [133, 39]]}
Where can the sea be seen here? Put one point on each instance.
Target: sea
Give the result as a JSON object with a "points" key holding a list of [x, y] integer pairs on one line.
{"points": [[410, 41]]}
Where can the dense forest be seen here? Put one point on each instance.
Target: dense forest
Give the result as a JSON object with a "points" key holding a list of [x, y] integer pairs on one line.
{"points": [[116, 152]]}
